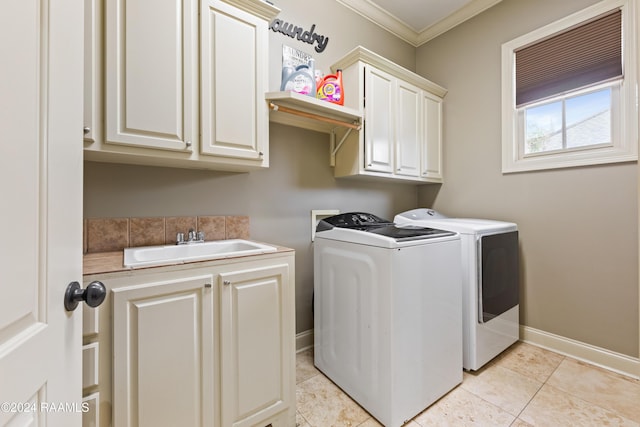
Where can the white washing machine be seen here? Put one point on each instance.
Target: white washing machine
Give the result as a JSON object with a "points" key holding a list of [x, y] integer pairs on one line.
{"points": [[387, 313], [490, 284]]}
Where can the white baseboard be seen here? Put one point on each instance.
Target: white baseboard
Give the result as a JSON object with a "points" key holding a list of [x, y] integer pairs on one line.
{"points": [[304, 340], [607, 359], [604, 358]]}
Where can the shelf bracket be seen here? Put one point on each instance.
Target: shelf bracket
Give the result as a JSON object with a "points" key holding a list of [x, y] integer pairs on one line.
{"points": [[334, 147]]}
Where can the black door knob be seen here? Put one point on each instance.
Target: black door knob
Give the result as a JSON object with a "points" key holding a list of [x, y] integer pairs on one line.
{"points": [[93, 295]]}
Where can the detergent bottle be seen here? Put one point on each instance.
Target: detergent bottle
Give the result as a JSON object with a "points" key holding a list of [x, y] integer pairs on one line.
{"points": [[331, 88], [319, 78], [287, 70], [301, 80]]}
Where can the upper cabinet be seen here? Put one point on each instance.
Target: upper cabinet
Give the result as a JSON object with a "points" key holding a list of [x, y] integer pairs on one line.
{"points": [[151, 73], [431, 166], [234, 56], [401, 136], [93, 63], [183, 80]]}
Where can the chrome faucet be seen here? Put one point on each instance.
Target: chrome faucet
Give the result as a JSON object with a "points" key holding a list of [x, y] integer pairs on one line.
{"points": [[192, 237]]}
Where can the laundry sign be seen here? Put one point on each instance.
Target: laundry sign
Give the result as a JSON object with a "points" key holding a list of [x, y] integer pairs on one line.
{"points": [[308, 36]]}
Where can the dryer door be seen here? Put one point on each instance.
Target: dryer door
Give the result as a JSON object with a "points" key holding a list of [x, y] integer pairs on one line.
{"points": [[499, 274]]}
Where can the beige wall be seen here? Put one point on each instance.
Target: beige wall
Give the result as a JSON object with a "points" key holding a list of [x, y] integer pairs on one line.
{"points": [[578, 227], [278, 200]]}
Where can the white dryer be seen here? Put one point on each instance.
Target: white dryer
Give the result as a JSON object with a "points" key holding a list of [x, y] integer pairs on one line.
{"points": [[387, 313], [490, 284]]}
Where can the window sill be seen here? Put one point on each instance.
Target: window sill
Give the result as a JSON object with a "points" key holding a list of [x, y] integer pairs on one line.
{"points": [[606, 155]]}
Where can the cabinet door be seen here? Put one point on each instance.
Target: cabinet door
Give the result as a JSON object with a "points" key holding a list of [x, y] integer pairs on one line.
{"points": [[234, 55], [152, 73], [432, 148], [163, 353], [92, 70], [256, 345], [408, 129], [379, 126]]}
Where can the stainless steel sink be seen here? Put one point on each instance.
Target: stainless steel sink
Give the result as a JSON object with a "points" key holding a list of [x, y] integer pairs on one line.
{"points": [[147, 256]]}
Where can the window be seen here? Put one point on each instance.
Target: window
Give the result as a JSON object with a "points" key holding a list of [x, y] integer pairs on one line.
{"points": [[576, 121], [569, 91]]}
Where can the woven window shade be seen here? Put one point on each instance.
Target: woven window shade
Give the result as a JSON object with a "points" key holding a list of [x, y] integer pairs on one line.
{"points": [[582, 56]]}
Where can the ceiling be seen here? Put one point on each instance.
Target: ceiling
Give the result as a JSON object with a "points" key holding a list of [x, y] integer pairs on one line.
{"points": [[418, 21]]}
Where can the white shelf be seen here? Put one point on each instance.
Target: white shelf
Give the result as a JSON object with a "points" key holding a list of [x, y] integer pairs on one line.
{"points": [[310, 113]]}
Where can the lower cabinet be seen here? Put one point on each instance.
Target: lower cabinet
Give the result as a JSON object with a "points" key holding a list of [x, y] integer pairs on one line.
{"points": [[254, 345], [212, 345], [163, 352]]}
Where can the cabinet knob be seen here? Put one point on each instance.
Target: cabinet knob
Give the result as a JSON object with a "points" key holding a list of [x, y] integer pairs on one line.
{"points": [[260, 154], [188, 144], [226, 282], [86, 130]]}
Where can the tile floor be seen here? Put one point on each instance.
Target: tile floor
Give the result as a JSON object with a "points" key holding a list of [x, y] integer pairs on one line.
{"points": [[525, 386]]}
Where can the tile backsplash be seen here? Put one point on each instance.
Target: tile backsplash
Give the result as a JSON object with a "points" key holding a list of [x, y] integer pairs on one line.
{"points": [[115, 234]]}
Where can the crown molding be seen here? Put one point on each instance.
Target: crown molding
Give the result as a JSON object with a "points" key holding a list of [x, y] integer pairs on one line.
{"points": [[382, 18], [400, 29], [470, 10]]}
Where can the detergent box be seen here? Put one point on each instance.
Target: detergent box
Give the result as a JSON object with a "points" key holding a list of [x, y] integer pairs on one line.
{"points": [[298, 72]]}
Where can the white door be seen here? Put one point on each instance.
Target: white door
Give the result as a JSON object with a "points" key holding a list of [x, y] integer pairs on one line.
{"points": [[379, 142], [163, 357], [235, 118], [151, 73], [432, 134], [254, 321], [41, 43], [408, 129]]}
